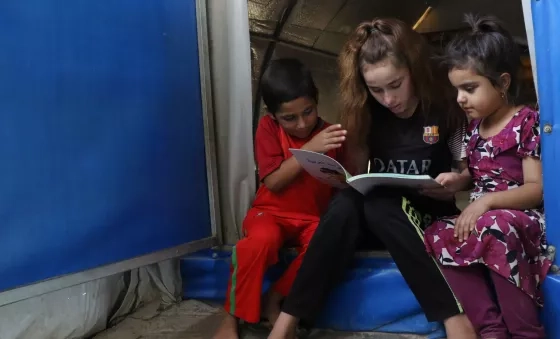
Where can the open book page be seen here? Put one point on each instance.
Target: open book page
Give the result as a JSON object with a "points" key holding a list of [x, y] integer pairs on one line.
{"points": [[322, 167], [366, 182]]}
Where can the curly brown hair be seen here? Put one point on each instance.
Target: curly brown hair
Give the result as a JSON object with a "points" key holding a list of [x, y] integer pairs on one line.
{"points": [[371, 42]]}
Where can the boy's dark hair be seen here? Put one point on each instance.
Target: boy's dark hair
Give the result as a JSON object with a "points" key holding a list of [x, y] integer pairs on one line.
{"points": [[285, 80], [488, 49]]}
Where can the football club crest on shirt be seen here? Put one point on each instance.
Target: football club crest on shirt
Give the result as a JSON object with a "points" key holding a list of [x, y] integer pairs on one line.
{"points": [[431, 134]]}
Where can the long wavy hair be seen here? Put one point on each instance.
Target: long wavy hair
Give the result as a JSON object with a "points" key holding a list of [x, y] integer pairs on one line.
{"points": [[375, 41]]}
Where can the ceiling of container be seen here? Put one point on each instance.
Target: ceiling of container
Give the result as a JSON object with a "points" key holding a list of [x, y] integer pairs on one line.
{"points": [[315, 30]]}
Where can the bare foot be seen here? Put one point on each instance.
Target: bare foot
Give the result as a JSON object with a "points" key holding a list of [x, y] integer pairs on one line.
{"points": [[459, 327], [228, 329], [284, 328], [272, 307]]}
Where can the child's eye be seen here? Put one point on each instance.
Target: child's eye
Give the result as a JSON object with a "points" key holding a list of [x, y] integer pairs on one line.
{"points": [[395, 86], [288, 117], [308, 111], [375, 90], [469, 88]]}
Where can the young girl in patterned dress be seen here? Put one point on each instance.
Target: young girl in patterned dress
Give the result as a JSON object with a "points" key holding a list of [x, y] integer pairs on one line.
{"points": [[493, 253]]}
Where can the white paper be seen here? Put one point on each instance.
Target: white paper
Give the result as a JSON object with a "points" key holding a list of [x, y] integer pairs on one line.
{"points": [[366, 182], [330, 171], [322, 167]]}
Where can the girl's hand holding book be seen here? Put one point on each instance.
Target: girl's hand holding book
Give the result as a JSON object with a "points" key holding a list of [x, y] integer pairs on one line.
{"points": [[451, 183]]}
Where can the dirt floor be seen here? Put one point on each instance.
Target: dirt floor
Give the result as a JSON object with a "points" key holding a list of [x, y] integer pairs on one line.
{"points": [[196, 320]]}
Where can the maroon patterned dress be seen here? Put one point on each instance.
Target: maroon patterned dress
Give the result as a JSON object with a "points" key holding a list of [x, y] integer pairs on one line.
{"points": [[509, 242]]}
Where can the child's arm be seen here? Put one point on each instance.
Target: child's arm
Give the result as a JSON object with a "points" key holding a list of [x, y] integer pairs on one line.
{"points": [[524, 197], [530, 194], [273, 171], [453, 182], [283, 176], [329, 138], [277, 173], [527, 196], [456, 182]]}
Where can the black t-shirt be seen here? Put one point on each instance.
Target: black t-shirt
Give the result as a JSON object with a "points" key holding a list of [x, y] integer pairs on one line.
{"points": [[418, 145]]}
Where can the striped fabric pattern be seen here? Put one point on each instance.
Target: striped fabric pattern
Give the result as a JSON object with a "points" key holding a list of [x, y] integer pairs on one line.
{"points": [[457, 144]]}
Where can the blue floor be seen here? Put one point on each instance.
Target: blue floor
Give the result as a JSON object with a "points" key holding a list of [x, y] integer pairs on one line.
{"points": [[352, 305], [372, 297]]}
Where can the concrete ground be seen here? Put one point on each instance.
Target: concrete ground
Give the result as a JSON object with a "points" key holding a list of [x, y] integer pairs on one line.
{"points": [[196, 320]]}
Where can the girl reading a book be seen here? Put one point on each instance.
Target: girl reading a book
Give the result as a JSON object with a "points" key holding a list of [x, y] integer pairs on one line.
{"points": [[496, 246], [401, 116]]}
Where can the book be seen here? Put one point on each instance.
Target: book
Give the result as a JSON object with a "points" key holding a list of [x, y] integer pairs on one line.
{"points": [[330, 171]]}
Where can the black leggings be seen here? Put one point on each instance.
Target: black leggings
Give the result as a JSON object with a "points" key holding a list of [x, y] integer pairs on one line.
{"points": [[390, 217]]}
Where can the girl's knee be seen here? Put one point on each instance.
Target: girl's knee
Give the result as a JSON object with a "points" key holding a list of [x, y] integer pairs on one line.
{"points": [[493, 221]]}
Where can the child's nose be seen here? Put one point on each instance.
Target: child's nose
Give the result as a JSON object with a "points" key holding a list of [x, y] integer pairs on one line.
{"points": [[390, 100]]}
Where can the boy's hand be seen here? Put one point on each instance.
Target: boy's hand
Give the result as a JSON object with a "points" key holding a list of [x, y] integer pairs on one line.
{"points": [[330, 138]]}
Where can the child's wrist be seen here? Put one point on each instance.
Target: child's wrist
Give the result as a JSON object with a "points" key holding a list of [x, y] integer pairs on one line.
{"points": [[488, 200], [466, 180]]}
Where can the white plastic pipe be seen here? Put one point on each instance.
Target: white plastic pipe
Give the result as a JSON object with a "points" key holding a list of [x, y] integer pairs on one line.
{"points": [[528, 18]]}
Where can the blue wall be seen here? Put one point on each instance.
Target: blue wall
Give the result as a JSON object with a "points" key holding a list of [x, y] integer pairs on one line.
{"points": [[546, 21], [101, 134]]}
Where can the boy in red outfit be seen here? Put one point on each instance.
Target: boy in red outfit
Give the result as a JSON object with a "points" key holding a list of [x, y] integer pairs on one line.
{"points": [[289, 202]]}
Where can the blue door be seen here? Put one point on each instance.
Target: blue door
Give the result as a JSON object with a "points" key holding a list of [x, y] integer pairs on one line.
{"points": [[102, 153]]}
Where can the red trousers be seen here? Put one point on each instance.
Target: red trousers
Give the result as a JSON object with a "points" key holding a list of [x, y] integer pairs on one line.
{"points": [[264, 236]]}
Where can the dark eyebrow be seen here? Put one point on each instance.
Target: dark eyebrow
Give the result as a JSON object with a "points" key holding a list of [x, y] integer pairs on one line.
{"points": [[396, 80], [287, 115], [468, 83]]}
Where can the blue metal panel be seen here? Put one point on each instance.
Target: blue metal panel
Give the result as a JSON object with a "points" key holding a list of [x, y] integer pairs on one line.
{"points": [[546, 21], [551, 310], [101, 134], [354, 305]]}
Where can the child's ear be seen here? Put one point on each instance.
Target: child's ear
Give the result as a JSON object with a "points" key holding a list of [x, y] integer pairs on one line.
{"points": [[505, 82]]}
